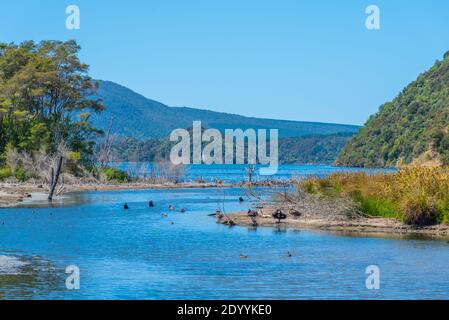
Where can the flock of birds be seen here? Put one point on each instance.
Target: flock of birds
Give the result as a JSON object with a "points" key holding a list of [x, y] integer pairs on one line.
{"points": [[279, 215], [151, 204], [251, 213]]}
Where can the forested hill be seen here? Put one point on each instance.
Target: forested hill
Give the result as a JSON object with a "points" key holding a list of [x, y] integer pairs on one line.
{"points": [[413, 128], [297, 150], [142, 118]]}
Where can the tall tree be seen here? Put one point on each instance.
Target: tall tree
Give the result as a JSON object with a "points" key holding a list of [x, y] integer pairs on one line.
{"points": [[46, 97]]}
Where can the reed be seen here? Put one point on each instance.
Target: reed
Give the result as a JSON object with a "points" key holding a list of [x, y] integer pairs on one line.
{"points": [[417, 195]]}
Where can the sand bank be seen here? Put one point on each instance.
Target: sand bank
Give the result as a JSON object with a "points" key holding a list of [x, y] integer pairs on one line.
{"points": [[336, 215]]}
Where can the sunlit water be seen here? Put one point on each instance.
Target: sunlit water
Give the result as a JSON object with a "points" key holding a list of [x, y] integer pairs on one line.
{"points": [[139, 254]]}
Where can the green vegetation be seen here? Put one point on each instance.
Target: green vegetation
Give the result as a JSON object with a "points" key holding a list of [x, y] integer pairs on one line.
{"points": [[134, 150], [417, 195], [413, 128], [321, 149], [113, 174], [316, 149], [5, 173], [22, 175], [45, 105]]}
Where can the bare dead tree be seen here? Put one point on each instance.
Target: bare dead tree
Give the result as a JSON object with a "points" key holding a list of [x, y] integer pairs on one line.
{"points": [[106, 146], [249, 173], [165, 171], [222, 209], [55, 178], [283, 196]]}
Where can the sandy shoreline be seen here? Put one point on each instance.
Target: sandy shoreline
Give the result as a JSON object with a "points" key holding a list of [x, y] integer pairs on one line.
{"points": [[380, 226], [332, 215], [12, 194]]}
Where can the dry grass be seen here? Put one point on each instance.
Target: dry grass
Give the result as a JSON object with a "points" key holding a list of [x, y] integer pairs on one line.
{"points": [[417, 195]]}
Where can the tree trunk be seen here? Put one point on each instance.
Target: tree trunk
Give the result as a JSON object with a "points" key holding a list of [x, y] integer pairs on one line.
{"points": [[52, 176], [55, 179]]}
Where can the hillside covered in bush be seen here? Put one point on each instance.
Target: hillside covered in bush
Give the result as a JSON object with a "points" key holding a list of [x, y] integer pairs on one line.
{"points": [[139, 117], [411, 129], [314, 149]]}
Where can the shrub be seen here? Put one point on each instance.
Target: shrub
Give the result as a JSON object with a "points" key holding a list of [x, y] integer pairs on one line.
{"points": [[420, 191], [72, 163], [377, 207], [5, 173], [73, 156], [443, 208], [113, 174], [22, 175], [420, 212], [417, 195]]}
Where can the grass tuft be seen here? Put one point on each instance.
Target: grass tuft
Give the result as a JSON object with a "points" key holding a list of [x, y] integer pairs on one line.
{"points": [[417, 195]]}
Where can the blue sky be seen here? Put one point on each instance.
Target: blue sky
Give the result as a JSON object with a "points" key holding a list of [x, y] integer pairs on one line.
{"points": [[285, 59]]}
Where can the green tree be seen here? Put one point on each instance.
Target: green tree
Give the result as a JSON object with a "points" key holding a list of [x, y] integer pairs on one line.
{"points": [[46, 97]]}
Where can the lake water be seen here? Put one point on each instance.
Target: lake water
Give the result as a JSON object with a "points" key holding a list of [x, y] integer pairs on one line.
{"points": [[139, 254], [237, 173]]}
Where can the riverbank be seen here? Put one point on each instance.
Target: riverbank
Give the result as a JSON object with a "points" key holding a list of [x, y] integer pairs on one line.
{"points": [[330, 214], [12, 194]]}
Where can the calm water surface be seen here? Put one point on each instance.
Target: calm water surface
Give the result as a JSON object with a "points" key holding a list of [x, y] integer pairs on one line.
{"points": [[238, 173], [138, 254]]}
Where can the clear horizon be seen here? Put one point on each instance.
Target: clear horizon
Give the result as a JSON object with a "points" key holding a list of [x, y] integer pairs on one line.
{"points": [[280, 60]]}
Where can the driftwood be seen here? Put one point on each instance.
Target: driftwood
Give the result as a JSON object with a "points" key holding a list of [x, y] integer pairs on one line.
{"points": [[60, 190]]}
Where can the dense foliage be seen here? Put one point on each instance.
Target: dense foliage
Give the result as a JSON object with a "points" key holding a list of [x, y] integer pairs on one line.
{"points": [[317, 149], [417, 195], [113, 174], [300, 150], [45, 100], [133, 150], [414, 127]]}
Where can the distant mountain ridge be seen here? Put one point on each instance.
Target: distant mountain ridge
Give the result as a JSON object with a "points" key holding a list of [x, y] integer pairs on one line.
{"points": [[411, 129], [142, 118]]}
